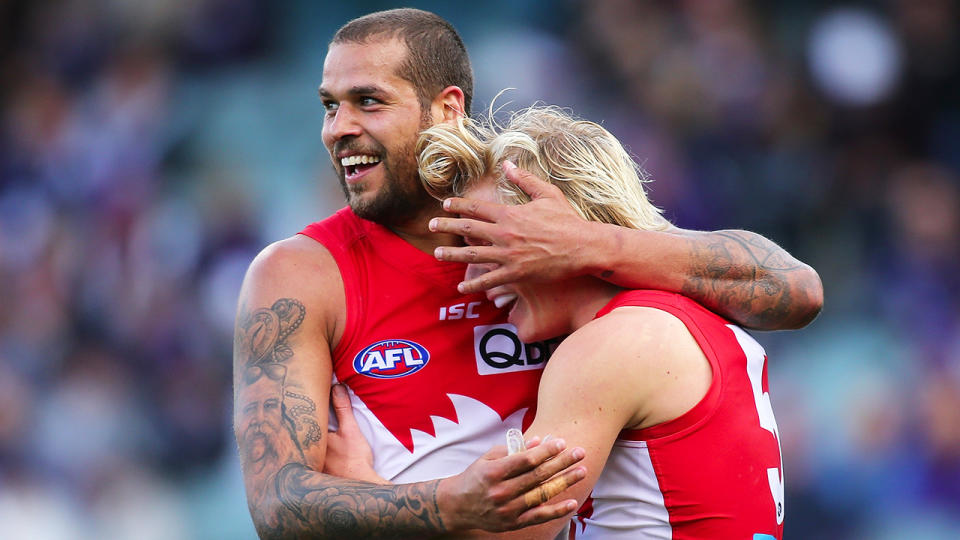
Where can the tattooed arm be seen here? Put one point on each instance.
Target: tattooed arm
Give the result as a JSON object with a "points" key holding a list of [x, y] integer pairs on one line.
{"points": [[291, 313], [738, 274]]}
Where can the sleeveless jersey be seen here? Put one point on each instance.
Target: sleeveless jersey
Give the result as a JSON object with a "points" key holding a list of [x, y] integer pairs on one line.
{"points": [[435, 377], [713, 472]]}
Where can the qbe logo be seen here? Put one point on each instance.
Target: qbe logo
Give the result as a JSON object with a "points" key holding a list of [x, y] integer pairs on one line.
{"points": [[499, 350], [391, 358]]}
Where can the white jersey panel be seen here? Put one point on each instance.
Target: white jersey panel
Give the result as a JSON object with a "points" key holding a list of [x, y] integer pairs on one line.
{"points": [[627, 501], [455, 446]]}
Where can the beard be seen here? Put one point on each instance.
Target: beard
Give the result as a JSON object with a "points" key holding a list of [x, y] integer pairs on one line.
{"points": [[401, 199], [258, 447]]}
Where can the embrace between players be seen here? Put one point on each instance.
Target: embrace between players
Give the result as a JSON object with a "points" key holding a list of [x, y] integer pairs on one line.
{"points": [[664, 404]]}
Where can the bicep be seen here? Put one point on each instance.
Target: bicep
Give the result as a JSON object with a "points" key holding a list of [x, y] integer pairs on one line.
{"points": [[585, 400], [282, 372], [566, 411]]}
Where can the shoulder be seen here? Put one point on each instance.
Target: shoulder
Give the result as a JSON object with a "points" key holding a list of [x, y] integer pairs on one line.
{"points": [[641, 330], [643, 359], [297, 268], [283, 262], [618, 346]]}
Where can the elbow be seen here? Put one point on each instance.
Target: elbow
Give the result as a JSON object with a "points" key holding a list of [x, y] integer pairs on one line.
{"points": [[266, 527], [808, 297]]}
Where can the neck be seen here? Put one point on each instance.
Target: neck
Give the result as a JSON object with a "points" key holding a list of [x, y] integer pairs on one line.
{"points": [[416, 232], [588, 296]]}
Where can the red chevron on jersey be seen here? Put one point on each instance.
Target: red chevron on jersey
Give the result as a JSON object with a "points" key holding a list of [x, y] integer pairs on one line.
{"points": [[426, 366]]}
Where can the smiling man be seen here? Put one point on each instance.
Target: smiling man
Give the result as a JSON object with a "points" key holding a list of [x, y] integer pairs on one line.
{"points": [[436, 375]]}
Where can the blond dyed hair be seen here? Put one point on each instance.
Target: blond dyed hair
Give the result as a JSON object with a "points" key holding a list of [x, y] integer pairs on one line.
{"points": [[584, 160]]}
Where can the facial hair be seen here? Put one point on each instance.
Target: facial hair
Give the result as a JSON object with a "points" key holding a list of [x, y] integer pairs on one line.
{"points": [[401, 199]]}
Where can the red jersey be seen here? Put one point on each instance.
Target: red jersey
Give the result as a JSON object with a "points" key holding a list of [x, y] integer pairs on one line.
{"points": [[713, 472], [435, 377]]}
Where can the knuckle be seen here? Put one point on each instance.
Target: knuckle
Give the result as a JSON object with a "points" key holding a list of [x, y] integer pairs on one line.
{"points": [[504, 513], [498, 494]]}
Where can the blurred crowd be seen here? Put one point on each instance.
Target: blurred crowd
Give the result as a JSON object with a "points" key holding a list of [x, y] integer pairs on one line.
{"points": [[148, 150]]}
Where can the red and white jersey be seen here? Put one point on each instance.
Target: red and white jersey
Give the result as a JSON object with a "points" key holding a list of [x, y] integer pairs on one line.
{"points": [[435, 377], [715, 471]]}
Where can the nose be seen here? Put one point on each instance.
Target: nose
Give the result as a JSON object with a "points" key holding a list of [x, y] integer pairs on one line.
{"points": [[343, 123]]}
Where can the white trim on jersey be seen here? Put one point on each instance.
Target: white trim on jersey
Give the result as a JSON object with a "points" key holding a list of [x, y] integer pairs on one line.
{"points": [[455, 446], [627, 501]]}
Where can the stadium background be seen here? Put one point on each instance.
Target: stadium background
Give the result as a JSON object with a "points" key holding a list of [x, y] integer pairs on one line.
{"points": [[151, 148]]}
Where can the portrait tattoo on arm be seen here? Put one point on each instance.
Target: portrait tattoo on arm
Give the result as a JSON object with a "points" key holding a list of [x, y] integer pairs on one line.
{"points": [[263, 337], [275, 424]]}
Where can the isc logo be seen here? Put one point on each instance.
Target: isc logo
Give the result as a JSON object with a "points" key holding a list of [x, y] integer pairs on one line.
{"points": [[459, 311], [391, 358]]}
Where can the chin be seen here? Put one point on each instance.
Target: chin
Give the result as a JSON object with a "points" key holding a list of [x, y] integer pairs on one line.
{"points": [[531, 334]]}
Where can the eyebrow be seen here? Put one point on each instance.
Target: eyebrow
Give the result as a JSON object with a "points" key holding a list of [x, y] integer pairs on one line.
{"points": [[354, 91]]}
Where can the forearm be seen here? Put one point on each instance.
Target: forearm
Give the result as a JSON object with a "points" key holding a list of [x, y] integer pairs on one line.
{"points": [[305, 503], [738, 274]]}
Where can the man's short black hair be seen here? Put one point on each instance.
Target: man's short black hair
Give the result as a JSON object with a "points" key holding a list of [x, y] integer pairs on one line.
{"points": [[436, 56]]}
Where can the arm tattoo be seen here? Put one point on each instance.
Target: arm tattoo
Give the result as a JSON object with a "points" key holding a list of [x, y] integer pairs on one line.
{"points": [[357, 509], [275, 423], [749, 279]]}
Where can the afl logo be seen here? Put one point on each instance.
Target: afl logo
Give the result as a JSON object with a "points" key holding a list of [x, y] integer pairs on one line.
{"points": [[391, 358]]}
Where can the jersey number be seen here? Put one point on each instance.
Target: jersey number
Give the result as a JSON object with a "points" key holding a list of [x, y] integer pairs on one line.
{"points": [[755, 361]]}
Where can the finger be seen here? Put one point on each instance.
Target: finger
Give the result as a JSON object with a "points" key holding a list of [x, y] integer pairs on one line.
{"points": [[565, 462], [470, 228], [522, 464], [553, 487], [534, 441], [343, 408], [496, 452], [474, 208], [469, 254], [530, 183], [490, 280], [547, 512]]}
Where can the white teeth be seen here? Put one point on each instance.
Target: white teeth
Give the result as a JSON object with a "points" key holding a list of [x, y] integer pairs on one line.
{"points": [[358, 160], [501, 301]]}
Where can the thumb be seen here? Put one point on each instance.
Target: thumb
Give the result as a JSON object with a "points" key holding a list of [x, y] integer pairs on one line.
{"points": [[343, 408], [529, 182]]}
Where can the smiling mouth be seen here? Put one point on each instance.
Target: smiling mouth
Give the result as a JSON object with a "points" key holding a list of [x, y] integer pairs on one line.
{"points": [[356, 165]]}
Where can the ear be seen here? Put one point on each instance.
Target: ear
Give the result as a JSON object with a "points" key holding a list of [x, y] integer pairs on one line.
{"points": [[448, 105]]}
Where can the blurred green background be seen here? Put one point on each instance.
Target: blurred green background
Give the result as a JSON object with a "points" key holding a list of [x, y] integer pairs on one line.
{"points": [[150, 148]]}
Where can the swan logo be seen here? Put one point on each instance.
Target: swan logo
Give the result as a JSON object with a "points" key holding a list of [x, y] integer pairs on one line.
{"points": [[391, 358]]}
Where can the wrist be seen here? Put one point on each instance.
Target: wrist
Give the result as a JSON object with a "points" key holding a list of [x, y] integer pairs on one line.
{"points": [[447, 509], [599, 246]]}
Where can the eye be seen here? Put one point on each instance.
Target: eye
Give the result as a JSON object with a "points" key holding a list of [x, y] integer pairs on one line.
{"points": [[330, 105], [368, 101]]}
